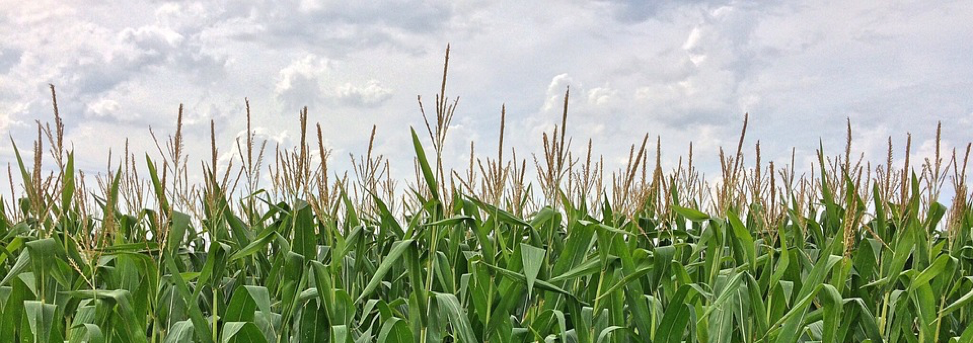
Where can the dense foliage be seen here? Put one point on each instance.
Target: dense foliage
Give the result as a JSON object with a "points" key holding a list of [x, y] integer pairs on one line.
{"points": [[851, 254]]}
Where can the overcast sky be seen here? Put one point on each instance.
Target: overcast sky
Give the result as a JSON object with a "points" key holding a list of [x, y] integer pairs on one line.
{"points": [[680, 70]]}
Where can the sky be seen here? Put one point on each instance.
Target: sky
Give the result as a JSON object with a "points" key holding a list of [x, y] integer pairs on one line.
{"points": [[680, 71]]}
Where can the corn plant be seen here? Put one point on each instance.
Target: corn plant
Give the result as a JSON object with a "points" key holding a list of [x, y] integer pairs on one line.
{"points": [[139, 253]]}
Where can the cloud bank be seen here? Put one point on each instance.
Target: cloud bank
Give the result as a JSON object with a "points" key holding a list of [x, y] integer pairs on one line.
{"points": [[684, 71]]}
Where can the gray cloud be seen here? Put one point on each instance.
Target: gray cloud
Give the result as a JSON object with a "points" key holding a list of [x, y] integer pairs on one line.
{"points": [[8, 58], [299, 83], [682, 71], [371, 94], [635, 11]]}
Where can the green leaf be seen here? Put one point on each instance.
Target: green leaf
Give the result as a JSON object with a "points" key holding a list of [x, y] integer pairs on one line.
{"points": [[691, 214], [393, 257], [340, 334], [930, 272], [180, 332], [424, 166], [121, 300], [533, 258], [959, 303], [257, 244], [200, 327], [247, 299], [746, 240], [314, 324], [676, 317], [305, 240], [67, 185], [23, 261], [180, 224], [40, 317], [242, 332], [395, 330], [832, 313], [450, 308]]}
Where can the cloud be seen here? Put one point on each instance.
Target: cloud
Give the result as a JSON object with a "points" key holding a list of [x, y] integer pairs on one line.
{"points": [[555, 92], [601, 95], [304, 83], [340, 26], [103, 108], [8, 58], [299, 83], [680, 70], [371, 94]]}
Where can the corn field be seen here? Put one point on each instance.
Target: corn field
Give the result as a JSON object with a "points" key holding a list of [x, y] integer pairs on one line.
{"points": [[566, 251]]}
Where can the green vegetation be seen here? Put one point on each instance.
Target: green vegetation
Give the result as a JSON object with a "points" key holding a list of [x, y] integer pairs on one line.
{"points": [[856, 252]]}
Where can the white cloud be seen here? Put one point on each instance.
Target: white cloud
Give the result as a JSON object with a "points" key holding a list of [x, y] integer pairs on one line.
{"points": [[370, 95], [691, 46], [680, 70], [300, 82], [968, 119], [601, 95], [310, 67], [555, 92], [104, 108]]}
